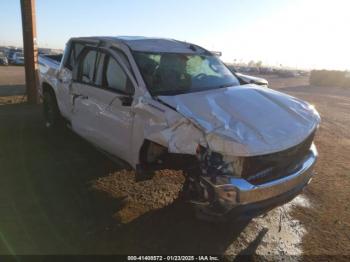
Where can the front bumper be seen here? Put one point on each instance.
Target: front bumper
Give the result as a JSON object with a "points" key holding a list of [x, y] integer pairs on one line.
{"points": [[240, 197]]}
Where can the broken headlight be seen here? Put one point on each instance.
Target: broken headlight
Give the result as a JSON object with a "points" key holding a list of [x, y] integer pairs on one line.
{"points": [[237, 164], [214, 164]]}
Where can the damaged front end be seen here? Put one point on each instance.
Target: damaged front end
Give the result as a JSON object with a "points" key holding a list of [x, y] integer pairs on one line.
{"points": [[238, 158], [213, 179], [245, 186], [219, 185]]}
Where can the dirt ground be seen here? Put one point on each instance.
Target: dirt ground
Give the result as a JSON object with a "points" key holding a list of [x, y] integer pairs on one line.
{"points": [[58, 195]]}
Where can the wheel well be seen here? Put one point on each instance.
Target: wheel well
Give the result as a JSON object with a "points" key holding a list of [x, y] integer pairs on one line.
{"points": [[155, 155], [150, 147], [48, 88]]}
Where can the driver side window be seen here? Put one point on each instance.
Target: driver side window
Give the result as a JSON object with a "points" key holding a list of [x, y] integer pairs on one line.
{"points": [[116, 79]]}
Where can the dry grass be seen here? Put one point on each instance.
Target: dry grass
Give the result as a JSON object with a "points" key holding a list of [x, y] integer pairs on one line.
{"points": [[140, 197], [10, 100]]}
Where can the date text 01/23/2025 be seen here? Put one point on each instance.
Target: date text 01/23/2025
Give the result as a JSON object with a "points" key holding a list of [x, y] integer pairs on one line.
{"points": [[173, 258]]}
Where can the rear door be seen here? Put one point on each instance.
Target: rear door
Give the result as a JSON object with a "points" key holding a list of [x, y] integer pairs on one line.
{"points": [[64, 96], [85, 97], [102, 99]]}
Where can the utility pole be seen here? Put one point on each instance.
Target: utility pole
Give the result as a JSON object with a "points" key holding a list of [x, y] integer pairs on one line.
{"points": [[30, 50]]}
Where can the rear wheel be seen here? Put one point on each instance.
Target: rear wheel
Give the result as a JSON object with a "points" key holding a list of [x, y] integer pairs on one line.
{"points": [[52, 115]]}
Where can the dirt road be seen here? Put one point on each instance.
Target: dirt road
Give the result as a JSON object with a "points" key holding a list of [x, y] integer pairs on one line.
{"points": [[53, 200]]}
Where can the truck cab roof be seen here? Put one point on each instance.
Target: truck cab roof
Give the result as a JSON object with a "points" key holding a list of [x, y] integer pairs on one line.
{"points": [[149, 44]]}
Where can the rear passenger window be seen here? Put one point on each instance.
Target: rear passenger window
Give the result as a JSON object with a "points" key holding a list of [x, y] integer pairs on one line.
{"points": [[75, 51], [88, 66], [116, 79]]}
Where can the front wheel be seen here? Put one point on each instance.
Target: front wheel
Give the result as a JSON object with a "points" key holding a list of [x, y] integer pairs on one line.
{"points": [[52, 115]]}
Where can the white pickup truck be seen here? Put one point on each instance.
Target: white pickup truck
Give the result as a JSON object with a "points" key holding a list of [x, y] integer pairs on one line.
{"points": [[161, 103]]}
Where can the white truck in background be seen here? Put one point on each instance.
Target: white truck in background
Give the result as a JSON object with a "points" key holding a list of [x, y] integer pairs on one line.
{"points": [[161, 103]]}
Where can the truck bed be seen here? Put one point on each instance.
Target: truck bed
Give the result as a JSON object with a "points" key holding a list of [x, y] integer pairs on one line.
{"points": [[50, 60], [48, 68]]}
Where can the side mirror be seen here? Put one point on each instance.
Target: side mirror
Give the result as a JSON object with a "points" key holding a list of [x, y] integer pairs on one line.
{"points": [[127, 97], [129, 90], [126, 100]]}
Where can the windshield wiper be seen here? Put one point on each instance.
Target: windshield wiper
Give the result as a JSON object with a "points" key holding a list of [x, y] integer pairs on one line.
{"points": [[185, 91], [170, 92], [226, 85]]}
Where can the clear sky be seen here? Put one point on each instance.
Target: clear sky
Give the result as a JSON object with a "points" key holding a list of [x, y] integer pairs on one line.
{"points": [[297, 33]]}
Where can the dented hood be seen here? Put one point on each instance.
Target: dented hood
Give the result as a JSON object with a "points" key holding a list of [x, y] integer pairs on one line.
{"points": [[247, 120]]}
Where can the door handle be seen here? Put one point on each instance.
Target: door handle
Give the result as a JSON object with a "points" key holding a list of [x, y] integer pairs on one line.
{"points": [[75, 96]]}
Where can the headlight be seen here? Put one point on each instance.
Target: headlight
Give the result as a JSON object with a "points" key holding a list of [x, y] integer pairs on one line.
{"points": [[234, 165], [237, 166], [215, 164]]}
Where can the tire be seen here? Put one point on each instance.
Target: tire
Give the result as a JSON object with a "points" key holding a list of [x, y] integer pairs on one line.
{"points": [[51, 111]]}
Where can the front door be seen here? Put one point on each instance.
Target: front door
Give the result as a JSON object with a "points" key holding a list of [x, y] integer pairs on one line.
{"points": [[102, 98]]}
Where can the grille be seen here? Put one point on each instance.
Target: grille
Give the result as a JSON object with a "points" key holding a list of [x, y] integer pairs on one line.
{"points": [[262, 169]]}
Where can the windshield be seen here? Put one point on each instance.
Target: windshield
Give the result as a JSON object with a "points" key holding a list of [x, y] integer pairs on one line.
{"points": [[174, 73]]}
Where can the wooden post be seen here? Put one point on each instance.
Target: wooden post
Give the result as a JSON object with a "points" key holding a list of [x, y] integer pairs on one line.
{"points": [[30, 50]]}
